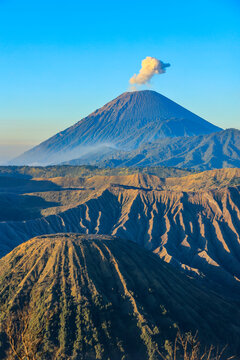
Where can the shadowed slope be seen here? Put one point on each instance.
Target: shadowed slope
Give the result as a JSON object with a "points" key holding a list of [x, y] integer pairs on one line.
{"points": [[96, 297], [192, 222], [203, 152]]}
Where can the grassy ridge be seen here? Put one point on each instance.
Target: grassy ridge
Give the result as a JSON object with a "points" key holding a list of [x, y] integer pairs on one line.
{"points": [[97, 297], [85, 171]]}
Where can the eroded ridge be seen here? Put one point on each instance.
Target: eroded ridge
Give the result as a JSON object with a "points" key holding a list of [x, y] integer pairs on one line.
{"points": [[98, 296]]}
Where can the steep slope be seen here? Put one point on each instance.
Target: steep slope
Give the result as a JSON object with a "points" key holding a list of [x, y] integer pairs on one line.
{"points": [[203, 152], [192, 222], [126, 122], [97, 297], [24, 199], [206, 180]]}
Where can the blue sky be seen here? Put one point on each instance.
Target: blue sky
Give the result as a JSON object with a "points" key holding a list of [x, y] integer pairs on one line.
{"points": [[60, 60]]}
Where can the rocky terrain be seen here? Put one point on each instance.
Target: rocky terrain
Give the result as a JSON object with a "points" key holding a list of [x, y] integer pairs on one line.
{"points": [[193, 222], [126, 242], [71, 296]]}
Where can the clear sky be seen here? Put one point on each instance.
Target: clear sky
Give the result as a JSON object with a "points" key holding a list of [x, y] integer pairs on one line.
{"points": [[60, 60]]}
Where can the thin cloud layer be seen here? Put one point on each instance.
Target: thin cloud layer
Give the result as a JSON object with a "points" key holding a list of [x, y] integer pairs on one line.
{"points": [[150, 67]]}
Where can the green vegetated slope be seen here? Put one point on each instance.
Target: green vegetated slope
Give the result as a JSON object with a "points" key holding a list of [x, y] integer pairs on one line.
{"points": [[98, 297]]}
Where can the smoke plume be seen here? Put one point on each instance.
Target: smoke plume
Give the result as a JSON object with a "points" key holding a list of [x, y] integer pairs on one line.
{"points": [[150, 67]]}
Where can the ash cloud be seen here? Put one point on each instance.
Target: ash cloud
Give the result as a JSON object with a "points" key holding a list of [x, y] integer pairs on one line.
{"points": [[150, 67]]}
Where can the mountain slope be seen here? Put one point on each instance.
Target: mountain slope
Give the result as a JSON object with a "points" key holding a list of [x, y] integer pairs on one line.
{"points": [[192, 222], [203, 152], [46, 172], [97, 297], [126, 122]]}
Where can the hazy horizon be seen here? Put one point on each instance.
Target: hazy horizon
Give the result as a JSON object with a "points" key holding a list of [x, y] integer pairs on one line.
{"points": [[52, 75], [10, 151]]}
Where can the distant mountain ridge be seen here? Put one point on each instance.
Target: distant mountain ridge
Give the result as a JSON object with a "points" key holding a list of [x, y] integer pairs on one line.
{"points": [[202, 152], [126, 122]]}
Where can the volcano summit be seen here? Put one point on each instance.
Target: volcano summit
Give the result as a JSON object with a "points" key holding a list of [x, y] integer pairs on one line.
{"points": [[125, 123]]}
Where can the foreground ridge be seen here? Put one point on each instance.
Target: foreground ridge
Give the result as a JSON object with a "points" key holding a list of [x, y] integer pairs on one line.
{"points": [[95, 297]]}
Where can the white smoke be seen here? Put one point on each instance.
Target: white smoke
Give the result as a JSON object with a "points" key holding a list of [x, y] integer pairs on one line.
{"points": [[150, 67]]}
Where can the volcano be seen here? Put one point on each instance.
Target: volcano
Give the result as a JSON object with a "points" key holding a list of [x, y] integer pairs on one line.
{"points": [[124, 123], [100, 297]]}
